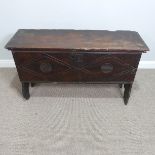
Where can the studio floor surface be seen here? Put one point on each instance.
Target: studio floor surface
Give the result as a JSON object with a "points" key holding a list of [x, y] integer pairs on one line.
{"points": [[77, 119]]}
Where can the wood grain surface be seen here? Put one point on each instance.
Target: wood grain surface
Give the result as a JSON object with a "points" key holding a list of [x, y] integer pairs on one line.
{"points": [[92, 40], [68, 67]]}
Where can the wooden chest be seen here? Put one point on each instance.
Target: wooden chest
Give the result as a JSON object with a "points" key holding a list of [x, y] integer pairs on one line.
{"points": [[89, 56]]}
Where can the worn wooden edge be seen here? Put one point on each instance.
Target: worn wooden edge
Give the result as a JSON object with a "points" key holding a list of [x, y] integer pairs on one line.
{"points": [[75, 49], [57, 50], [147, 48], [7, 45]]}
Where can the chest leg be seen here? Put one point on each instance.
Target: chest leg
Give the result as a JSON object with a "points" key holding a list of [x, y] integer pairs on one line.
{"points": [[25, 90], [127, 92]]}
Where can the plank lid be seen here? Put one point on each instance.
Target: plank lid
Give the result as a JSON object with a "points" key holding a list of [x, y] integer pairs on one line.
{"points": [[87, 40]]}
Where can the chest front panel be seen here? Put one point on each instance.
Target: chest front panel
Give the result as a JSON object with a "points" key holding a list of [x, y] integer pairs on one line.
{"points": [[76, 66]]}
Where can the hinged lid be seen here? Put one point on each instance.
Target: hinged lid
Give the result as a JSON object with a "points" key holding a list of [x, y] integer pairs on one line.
{"points": [[87, 40]]}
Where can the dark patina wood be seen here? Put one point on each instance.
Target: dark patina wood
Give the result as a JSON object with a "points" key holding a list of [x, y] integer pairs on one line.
{"points": [[85, 40], [25, 90], [89, 56], [75, 67], [127, 92], [32, 84]]}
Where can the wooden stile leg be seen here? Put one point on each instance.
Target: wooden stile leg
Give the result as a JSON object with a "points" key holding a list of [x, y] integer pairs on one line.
{"points": [[32, 84], [127, 92], [120, 85], [25, 90]]}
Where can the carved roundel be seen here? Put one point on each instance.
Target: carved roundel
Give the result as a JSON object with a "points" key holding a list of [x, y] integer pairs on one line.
{"points": [[45, 67], [107, 68]]}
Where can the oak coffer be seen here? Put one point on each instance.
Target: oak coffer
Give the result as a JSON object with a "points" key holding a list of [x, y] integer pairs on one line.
{"points": [[77, 56]]}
